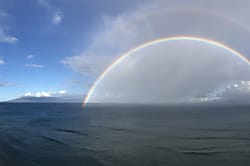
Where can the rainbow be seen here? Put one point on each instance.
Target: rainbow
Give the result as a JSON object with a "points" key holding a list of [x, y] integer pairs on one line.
{"points": [[199, 11], [154, 42], [215, 14]]}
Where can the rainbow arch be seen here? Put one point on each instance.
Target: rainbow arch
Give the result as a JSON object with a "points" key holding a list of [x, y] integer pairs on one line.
{"points": [[157, 41]]}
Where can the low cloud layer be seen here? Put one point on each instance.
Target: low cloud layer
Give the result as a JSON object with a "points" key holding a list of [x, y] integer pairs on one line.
{"points": [[45, 94], [236, 92]]}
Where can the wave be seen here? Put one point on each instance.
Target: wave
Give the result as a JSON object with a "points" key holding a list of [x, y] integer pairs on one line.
{"points": [[54, 140], [71, 131], [201, 152], [215, 138]]}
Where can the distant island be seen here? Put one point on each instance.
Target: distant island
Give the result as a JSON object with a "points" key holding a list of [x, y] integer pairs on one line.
{"points": [[31, 99]]}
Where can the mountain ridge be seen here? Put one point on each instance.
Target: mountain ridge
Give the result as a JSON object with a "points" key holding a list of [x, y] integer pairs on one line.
{"points": [[32, 99]]}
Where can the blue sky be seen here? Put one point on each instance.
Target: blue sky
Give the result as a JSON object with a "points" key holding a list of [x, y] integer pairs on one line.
{"points": [[38, 34]]}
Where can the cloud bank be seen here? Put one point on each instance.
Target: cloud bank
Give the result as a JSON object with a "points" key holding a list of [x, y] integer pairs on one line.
{"points": [[45, 94]]}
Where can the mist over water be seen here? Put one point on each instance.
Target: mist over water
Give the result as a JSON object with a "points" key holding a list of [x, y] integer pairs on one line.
{"points": [[67, 134]]}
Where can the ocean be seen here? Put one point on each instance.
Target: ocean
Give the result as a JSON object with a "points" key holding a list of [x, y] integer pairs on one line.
{"points": [[123, 135]]}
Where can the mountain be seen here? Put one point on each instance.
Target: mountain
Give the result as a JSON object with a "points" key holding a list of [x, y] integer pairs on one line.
{"points": [[31, 99]]}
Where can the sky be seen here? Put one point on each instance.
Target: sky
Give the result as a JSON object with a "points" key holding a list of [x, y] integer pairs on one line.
{"points": [[60, 47], [36, 35]]}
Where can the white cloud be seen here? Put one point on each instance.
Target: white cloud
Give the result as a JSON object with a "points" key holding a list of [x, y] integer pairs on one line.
{"points": [[34, 65], [3, 14], [56, 14], [44, 3], [62, 92], [57, 18], [30, 56], [2, 61], [4, 84], [45, 94], [235, 89], [88, 65], [5, 38]]}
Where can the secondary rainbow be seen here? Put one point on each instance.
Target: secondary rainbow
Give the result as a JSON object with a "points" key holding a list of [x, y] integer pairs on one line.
{"points": [[162, 40], [195, 10]]}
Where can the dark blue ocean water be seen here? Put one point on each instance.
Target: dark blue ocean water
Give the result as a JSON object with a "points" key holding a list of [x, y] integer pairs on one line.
{"points": [[68, 135]]}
